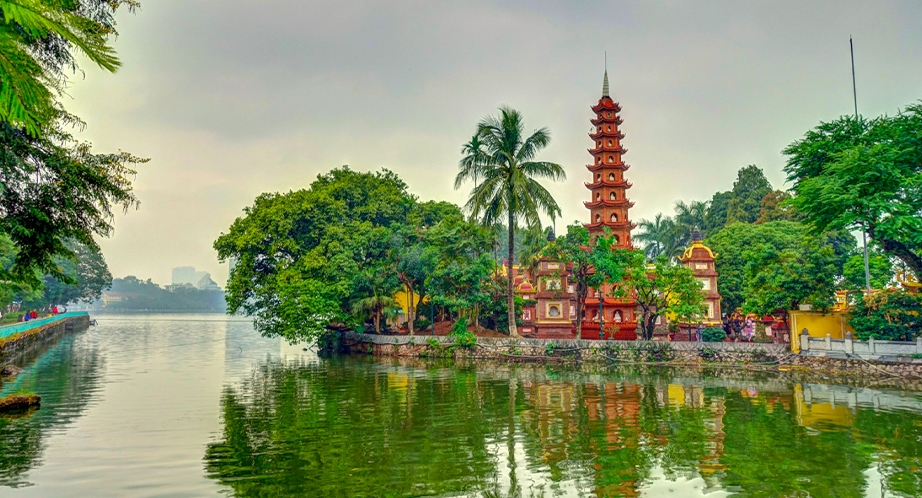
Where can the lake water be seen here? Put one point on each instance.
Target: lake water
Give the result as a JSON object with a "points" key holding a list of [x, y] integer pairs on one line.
{"points": [[197, 405]]}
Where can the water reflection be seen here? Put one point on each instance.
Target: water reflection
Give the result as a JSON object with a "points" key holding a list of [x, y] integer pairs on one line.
{"points": [[67, 383], [364, 427]]}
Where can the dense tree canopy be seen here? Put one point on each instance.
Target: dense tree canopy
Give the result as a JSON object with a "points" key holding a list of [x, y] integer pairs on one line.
{"points": [[776, 265], [864, 174], [54, 188]]}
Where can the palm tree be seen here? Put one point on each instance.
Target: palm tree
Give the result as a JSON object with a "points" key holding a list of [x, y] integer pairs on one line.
{"points": [[374, 305], [533, 243], [688, 216], [29, 75], [504, 162], [660, 236]]}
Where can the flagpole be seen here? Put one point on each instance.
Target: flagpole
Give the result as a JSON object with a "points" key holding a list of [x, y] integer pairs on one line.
{"points": [[864, 231]]}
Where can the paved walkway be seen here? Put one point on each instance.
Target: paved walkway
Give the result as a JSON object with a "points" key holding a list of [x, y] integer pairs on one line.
{"points": [[15, 328]]}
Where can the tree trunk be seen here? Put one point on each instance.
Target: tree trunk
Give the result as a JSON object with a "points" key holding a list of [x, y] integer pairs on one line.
{"points": [[378, 321], [510, 289], [411, 309]]}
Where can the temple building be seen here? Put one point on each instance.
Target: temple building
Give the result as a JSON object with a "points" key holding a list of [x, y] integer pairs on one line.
{"points": [[608, 216], [700, 259]]}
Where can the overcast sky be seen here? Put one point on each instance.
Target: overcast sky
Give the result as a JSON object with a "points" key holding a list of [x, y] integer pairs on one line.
{"points": [[233, 98]]}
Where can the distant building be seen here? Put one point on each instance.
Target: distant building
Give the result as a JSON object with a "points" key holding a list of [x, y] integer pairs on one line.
{"points": [[206, 283], [184, 275]]}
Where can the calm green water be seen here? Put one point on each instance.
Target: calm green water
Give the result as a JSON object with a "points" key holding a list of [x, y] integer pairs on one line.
{"points": [[190, 405]]}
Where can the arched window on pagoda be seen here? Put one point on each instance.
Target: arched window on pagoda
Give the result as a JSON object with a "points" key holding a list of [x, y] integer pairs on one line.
{"points": [[595, 316], [598, 196], [612, 196], [598, 160], [618, 316], [611, 159], [611, 177], [610, 143], [608, 114], [617, 239], [609, 127], [614, 217], [598, 218], [598, 176]]}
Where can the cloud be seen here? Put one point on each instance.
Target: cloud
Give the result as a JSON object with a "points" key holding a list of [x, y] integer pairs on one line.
{"points": [[234, 98]]}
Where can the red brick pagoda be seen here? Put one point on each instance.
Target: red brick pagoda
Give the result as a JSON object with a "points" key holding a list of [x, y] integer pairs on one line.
{"points": [[608, 213]]}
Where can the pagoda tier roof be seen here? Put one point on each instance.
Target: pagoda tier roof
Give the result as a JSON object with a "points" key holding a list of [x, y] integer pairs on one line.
{"points": [[606, 103], [614, 225], [619, 165], [610, 301], [610, 224], [607, 134], [606, 183], [616, 119], [608, 203], [604, 148]]}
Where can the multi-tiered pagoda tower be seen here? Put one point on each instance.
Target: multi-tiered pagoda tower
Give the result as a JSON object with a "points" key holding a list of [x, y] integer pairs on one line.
{"points": [[608, 211]]}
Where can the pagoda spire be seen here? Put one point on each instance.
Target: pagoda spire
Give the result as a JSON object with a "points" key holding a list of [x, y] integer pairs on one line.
{"points": [[605, 78]]}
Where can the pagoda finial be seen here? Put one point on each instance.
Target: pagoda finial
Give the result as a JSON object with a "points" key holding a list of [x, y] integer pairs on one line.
{"points": [[696, 235], [605, 79]]}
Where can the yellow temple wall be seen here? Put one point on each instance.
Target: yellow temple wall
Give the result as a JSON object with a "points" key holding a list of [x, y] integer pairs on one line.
{"points": [[834, 323], [401, 300]]}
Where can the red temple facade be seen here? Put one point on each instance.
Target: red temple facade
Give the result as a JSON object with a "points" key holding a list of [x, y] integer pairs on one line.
{"points": [[608, 216]]}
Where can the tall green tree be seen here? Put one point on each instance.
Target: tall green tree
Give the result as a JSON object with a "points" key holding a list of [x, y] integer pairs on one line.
{"points": [[89, 274], [860, 174], [745, 200], [54, 188], [306, 251], [510, 191], [574, 249], [659, 286], [776, 265]]}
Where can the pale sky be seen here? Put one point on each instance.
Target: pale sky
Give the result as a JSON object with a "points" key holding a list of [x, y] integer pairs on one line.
{"points": [[233, 98]]}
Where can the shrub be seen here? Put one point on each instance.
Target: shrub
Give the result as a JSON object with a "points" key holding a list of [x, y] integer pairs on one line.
{"points": [[889, 314], [422, 323], [549, 348], [463, 337], [713, 334]]}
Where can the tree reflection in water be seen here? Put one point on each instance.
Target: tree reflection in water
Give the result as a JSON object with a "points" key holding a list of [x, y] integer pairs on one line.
{"points": [[67, 376], [364, 427]]}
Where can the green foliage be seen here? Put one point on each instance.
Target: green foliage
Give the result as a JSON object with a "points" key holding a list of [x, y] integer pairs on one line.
{"points": [[550, 347], [38, 39], [463, 338], [660, 287], [713, 334], [422, 323], [89, 274], [55, 192], [502, 159], [651, 352], [775, 265], [145, 295], [778, 206], [888, 314], [322, 252], [879, 263], [745, 202], [660, 236], [864, 174]]}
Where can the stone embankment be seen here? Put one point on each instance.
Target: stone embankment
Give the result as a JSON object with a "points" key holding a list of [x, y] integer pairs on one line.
{"points": [[19, 338], [737, 354]]}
